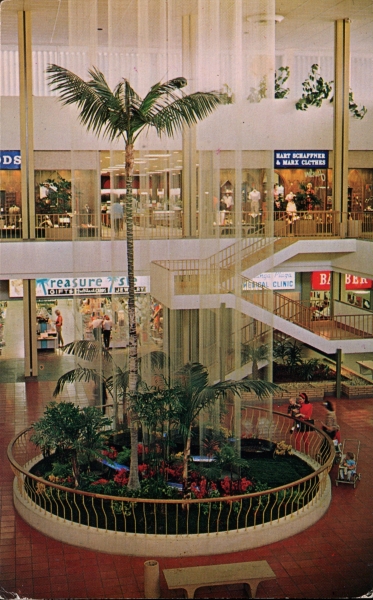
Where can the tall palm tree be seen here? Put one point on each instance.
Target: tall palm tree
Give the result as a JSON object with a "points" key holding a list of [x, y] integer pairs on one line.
{"points": [[122, 114], [196, 394]]}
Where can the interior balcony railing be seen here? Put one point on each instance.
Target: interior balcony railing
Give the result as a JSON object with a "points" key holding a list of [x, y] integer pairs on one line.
{"points": [[254, 231], [189, 278], [332, 327]]}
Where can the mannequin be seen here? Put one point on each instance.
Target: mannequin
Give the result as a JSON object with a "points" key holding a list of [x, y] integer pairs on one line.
{"points": [[309, 193], [254, 197], [229, 200], [13, 212], [291, 209]]}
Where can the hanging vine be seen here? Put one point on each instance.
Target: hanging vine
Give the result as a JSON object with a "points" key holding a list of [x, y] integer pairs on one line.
{"points": [[316, 90], [281, 76]]}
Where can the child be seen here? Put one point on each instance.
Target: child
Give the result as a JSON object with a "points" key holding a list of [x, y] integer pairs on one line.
{"points": [[348, 467], [293, 411]]}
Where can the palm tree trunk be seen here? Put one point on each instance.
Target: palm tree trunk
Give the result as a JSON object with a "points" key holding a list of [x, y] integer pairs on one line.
{"points": [[75, 468], [133, 482], [186, 462]]}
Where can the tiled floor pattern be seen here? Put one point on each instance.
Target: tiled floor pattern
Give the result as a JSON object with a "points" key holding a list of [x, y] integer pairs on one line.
{"points": [[332, 559]]}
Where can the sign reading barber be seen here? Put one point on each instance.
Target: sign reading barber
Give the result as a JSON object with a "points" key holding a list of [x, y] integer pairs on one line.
{"points": [[301, 159], [10, 160]]}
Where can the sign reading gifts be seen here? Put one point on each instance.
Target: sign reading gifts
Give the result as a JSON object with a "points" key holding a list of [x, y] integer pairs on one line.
{"points": [[301, 159], [80, 286], [10, 160], [320, 280]]}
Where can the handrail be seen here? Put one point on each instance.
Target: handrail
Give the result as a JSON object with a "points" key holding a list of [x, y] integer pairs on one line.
{"points": [[187, 516]]}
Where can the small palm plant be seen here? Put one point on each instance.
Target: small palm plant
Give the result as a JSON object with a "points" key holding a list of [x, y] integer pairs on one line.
{"points": [[122, 114], [196, 393]]}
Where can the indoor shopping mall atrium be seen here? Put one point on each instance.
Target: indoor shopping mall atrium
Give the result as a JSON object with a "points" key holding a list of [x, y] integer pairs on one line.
{"points": [[186, 298]]}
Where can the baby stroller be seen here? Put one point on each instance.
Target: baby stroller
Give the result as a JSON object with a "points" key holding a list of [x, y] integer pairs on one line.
{"points": [[348, 465]]}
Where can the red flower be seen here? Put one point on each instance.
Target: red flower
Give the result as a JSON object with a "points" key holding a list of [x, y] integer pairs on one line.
{"points": [[121, 478], [100, 482]]}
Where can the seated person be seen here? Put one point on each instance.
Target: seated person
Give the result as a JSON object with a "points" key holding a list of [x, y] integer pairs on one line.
{"points": [[323, 312], [348, 466]]}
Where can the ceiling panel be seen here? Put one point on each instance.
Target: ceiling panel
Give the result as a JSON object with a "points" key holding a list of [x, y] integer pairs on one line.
{"points": [[307, 25]]}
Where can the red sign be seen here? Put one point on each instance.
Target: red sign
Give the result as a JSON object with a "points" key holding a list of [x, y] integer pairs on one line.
{"points": [[352, 282], [320, 280]]}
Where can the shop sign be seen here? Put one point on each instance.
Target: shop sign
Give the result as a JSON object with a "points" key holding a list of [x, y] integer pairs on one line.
{"points": [[80, 286], [301, 159], [10, 160], [272, 281], [320, 280]]}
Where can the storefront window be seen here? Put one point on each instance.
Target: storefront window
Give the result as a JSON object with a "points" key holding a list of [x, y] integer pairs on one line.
{"points": [[157, 200], [10, 203], [66, 204]]}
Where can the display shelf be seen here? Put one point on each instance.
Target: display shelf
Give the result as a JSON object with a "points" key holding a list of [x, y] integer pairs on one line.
{"points": [[47, 342]]}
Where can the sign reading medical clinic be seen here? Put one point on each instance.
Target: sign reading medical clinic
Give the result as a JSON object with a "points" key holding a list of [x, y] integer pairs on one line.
{"points": [[272, 281], [301, 159], [10, 160], [80, 286]]}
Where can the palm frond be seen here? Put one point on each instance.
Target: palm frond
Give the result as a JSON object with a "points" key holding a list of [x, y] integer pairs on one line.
{"points": [[157, 358], [260, 388], [87, 350], [76, 375], [160, 89], [185, 111], [99, 106]]}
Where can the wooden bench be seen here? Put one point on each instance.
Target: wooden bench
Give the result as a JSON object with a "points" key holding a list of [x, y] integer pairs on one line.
{"points": [[192, 578], [366, 366]]}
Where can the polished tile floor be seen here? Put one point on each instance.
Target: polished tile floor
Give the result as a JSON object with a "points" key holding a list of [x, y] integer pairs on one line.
{"points": [[332, 559]]}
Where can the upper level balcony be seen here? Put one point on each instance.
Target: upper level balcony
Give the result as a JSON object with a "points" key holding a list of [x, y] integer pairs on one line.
{"points": [[152, 224]]}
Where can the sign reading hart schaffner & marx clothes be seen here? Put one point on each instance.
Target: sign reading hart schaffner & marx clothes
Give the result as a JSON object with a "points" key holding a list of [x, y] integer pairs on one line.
{"points": [[301, 159]]}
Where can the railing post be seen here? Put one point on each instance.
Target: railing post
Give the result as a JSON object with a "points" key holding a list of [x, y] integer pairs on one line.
{"points": [[338, 372]]}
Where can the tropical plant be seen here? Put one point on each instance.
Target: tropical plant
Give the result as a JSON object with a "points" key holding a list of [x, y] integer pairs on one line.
{"points": [[78, 434], [279, 350], [195, 394], [250, 351], [281, 76], [256, 95], [306, 199], [316, 89], [228, 459], [156, 408], [357, 113], [58, 198], [116, 381], [122, 114]]}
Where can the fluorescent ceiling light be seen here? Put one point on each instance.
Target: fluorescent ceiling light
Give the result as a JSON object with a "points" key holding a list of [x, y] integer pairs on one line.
{"points": [[156, 155]]}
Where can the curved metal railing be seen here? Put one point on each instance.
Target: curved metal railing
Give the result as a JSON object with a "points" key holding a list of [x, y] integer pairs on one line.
{"points": [[182, 516]]}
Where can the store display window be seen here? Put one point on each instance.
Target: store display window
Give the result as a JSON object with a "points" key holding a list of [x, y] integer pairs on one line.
{"points": [[10, 203], [310, 188], [156, 188], [65, 204], [356, 291]]}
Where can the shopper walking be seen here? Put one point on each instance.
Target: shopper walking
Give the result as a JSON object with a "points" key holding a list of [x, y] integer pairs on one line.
{"points": [[59, 322], [117, 216], [107, 325], [96, 326]]}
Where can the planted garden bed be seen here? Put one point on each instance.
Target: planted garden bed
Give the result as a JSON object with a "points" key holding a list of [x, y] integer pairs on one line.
{"points": [[266, 472]]}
